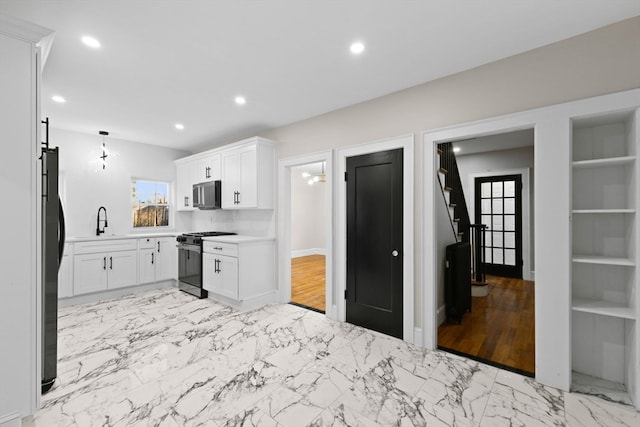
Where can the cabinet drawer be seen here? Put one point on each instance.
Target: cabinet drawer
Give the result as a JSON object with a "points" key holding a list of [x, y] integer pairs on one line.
{"points": [[94, 246], [229, 249], [147, 243]]}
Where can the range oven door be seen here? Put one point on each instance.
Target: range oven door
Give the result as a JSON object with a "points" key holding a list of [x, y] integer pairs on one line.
{"points": [[190, 269]]}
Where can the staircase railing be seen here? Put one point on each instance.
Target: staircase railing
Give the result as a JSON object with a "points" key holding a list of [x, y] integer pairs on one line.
{"points": [[466, 231], [477, 253], [453, 184]]}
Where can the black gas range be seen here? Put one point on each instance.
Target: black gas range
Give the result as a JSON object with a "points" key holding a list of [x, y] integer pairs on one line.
{"points": [[190, 261]]}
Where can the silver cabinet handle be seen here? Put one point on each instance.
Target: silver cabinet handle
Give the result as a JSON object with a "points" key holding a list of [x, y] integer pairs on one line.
{"points": [[110, 263], [217, 248], [186, 201], [152, 257], [394, 253], [104, 263], [158, 247]]}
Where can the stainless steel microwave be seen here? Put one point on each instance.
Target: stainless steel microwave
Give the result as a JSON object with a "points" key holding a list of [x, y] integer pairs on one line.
{"points": [[207, 195]]}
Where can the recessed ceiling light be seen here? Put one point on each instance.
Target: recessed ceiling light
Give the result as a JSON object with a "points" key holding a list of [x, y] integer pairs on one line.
{"points": [[179, 126], [91, 42], [240, 100], [456, 149], [357, 48], [59, 99]]}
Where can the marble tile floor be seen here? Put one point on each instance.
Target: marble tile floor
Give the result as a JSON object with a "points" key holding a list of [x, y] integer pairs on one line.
{"points": [[164, 358]]}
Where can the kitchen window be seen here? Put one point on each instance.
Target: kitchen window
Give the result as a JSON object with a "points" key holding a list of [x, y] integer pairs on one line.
{"points": [[150, 203]]}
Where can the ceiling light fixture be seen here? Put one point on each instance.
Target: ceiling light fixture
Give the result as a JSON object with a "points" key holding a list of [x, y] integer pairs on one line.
{"points": [[91, 42], [240, 100], [104, 149], [59, 99], [456, 149], [179, 126], [357, 48], [315, 178]]}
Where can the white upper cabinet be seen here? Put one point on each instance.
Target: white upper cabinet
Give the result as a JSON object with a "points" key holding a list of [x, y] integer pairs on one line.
{"points": [[186, 176], [248, 176], [246, 169], [209, 168]]}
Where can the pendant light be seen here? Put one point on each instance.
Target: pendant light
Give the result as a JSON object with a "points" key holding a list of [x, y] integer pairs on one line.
{"points": [[104, 156]]}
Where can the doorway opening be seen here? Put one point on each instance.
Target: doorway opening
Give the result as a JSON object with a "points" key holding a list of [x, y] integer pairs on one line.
{"points": [[496, 173], [305, 232], [308, 239]]}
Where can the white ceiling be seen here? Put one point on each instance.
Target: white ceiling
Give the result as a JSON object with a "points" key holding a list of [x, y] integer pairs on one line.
{"points": [[168, 61]]}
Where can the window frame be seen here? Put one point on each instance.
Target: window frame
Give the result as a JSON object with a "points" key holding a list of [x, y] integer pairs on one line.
{"points": [[168, 204]]}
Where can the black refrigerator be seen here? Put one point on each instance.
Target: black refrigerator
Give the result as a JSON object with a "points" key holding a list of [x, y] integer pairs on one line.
{"points": [[53, 235]]}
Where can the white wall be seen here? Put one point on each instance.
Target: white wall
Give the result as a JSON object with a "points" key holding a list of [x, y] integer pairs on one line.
{"points": [[595, 63], [307, 215], [85, 186], [495, 161], [19, 227], [252, 222]]}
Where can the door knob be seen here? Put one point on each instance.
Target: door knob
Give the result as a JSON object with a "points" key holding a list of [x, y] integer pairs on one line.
{"points": [[394, 253]]}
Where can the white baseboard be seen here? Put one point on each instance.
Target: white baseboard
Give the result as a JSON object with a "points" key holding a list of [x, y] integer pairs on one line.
{"points": [[10, 420], [307, 252], [247, 303], [442, 315], [115, 293], [417, 336]]}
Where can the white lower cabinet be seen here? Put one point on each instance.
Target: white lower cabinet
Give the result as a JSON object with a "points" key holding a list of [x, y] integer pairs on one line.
{"points": [[101, 271], [157, 259], [101, 265], [241, 274], [221, 275]]}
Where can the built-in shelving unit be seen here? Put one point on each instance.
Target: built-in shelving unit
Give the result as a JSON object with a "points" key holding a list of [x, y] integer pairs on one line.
{"points": [[604, 283]]}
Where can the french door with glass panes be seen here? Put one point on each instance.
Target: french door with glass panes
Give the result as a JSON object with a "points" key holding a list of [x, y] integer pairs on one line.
{"points": [[498, 205]]}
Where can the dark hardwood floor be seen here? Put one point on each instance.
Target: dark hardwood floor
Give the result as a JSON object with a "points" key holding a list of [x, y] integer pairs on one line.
{"points": [[308, 281], [500, 327]]}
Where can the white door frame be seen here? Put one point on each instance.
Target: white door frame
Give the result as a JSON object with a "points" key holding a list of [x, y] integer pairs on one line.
{"points": [[405, 142], [284, 225], [526, 224]]}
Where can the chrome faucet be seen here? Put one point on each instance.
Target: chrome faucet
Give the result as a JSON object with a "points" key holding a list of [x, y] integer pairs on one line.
{"points": [[98, 231]]}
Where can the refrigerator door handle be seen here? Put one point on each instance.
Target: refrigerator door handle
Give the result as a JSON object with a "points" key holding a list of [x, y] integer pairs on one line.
{"points": [[62, 233]]}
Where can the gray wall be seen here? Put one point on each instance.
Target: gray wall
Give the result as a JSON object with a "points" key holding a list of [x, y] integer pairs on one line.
{"points": [[595, 63]]}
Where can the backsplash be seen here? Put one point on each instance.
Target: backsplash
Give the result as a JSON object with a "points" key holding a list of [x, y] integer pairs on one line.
{"points": [[258, 222]]}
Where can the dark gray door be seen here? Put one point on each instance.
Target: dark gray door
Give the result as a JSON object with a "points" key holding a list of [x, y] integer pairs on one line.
{"points": [[498, 205], [374, 241]]}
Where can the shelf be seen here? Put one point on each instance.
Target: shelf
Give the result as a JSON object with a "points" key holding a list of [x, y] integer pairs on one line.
{"points": [[605, 308], [601, 163], [607, 260], [603, 211]]}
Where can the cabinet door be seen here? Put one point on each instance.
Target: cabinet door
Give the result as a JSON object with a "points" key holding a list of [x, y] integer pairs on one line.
{"points": [[209, 168], [185, 178], [248, 192], [209, 271], [122, 269], [146, 265], [230, 179], [166, 258], [90, 273], [221, 275]]}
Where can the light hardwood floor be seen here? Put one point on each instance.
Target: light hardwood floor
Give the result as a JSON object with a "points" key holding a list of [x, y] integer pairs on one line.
{"points": [[308, 281], [500, 327]]}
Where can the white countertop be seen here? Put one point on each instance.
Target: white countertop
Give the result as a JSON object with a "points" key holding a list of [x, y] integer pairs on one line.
{"points": [[237, 239], [122, 236]]}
